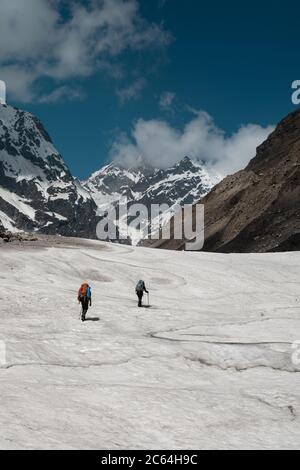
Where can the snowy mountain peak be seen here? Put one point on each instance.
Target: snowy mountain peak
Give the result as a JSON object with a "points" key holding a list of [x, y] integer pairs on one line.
{"points": [[183, 183], [187, 164], [37, 190]]}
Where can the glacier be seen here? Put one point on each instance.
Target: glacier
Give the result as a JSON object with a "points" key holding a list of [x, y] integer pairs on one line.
{"points": [[211, 365]]}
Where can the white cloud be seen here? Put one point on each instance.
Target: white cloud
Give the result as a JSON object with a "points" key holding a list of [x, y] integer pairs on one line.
{"points": [[37, 41], [163, 145], [63, 93], [19, 81], [132, 92], [26, 28], [166, 100]]}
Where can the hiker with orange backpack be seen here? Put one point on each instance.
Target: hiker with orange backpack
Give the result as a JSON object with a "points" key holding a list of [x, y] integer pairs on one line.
{"points": [[85, 298]]}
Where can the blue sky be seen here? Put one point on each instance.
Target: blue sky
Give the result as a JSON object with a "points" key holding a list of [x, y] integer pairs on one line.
{"points": [[145, 91]]}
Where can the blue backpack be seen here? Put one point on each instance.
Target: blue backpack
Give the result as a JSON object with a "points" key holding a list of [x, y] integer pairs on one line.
{"points": [[140, 287], [88, 293]]}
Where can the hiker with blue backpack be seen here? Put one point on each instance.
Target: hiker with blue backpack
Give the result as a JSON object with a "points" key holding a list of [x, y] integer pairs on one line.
{"points": [[140, 289], [85, 298]]}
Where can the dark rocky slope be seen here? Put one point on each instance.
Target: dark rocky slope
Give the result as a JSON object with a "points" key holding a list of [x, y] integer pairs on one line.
{"points": [[258, 208]]}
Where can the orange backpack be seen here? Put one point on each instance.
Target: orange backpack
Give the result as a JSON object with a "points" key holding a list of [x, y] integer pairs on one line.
{"points": [[83, 289]]}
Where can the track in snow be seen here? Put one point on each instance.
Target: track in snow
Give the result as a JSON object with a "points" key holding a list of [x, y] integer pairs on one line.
{"points": [[208, 366]]}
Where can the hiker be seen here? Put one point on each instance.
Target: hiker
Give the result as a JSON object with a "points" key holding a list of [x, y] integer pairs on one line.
{"points": [[85, 298], [140, 289]]}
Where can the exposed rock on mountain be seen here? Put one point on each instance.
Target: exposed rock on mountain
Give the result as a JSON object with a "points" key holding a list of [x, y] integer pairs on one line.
{"points": [[37, 190], [184, 183], [257, 209]]}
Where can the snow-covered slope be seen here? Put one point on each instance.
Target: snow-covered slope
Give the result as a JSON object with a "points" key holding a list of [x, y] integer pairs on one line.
{"points": [[210, 365], [37, 191], [184, 183]]}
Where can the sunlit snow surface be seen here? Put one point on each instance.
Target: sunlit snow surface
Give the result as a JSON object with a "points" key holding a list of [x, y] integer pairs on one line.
{"points": [[208, 366]]}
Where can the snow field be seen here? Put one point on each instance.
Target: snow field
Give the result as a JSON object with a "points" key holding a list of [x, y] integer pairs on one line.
{"points": [[209, 365]]}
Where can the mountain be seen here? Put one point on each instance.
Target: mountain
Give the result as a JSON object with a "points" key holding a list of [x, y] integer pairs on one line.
{"points": [[258, 208], [183, 183], [37, 191], [39, 194]]}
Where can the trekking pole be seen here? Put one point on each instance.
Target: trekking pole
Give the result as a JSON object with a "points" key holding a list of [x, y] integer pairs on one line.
{"points": [[148, 300]]}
